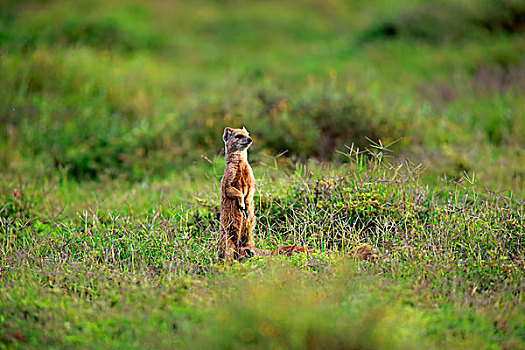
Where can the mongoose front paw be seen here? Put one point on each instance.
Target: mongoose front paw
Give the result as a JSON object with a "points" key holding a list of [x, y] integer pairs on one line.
{"points": [[242, 209], [244, 212]]}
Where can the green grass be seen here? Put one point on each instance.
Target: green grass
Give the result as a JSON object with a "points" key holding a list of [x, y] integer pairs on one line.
{"points": [[449, 273], [397, 125]]}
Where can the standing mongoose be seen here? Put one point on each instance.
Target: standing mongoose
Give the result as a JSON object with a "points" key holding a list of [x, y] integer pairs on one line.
{"points": [[237, 218]]}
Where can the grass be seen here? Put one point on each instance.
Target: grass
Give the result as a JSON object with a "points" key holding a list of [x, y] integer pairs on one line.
{"points": [[397, 125], [448, 260]]}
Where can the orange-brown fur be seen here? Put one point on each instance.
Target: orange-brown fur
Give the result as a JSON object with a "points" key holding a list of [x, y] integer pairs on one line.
{"points": [[364, 252], [237, 218]]}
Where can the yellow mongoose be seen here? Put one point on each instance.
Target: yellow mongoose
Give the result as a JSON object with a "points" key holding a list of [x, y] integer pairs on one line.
{"points": [[237, 218]]}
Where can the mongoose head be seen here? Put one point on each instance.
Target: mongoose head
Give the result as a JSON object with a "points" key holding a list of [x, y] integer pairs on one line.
{"points": [[236, 139]]}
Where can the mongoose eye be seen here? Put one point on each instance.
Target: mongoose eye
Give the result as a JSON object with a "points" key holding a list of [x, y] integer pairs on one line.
{"points": [[238, 136]]}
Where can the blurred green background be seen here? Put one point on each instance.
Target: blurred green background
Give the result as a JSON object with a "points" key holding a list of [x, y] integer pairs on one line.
{"points": [[134, 90]]}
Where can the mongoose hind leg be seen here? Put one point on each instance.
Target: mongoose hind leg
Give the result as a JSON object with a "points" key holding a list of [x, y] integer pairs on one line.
{"points": [[227, 247]]}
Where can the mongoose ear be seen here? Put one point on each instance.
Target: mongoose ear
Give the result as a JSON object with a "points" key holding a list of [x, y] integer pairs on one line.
{"points": [[245, 129], [227, 134]]}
